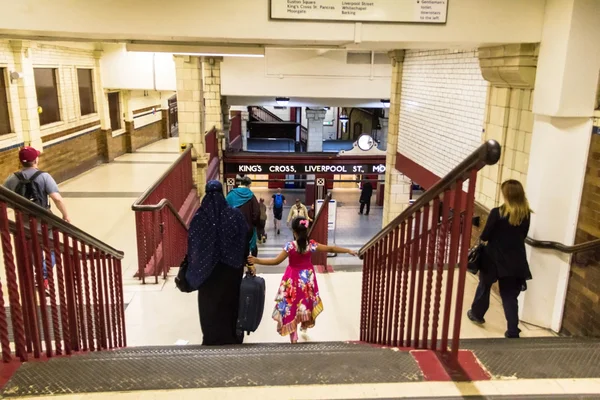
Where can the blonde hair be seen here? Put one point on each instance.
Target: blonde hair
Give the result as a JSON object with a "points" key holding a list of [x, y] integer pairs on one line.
{"points": [[516, 206]]}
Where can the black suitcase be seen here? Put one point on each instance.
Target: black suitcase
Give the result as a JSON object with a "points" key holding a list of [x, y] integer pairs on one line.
{"points": [[252, 303]]}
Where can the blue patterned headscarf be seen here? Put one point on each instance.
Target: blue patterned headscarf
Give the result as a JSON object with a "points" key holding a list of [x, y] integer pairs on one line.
{"points": [[217, 234]]}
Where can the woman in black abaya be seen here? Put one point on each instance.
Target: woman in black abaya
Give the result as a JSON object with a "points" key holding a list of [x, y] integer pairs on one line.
{"points": [[217, 247]]}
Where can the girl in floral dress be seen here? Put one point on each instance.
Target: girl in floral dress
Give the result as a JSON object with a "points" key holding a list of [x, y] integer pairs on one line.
{"points": [[298, 302]]}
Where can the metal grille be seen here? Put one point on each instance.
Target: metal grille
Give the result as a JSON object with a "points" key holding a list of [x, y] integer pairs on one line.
{"points": [[164, 368], [538, 358]]}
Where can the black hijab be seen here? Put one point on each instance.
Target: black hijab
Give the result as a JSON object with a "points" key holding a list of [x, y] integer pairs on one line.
{"points": [[217, 234]]}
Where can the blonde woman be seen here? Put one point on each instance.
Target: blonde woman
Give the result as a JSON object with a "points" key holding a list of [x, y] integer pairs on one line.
{"points": [[505, 260]]}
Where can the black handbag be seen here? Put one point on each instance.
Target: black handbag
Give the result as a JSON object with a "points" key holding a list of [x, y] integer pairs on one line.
{"points": [[475, 258], [180, 280]]}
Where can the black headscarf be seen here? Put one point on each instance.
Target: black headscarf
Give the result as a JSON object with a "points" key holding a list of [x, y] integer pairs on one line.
{"points": [[217, 234]]}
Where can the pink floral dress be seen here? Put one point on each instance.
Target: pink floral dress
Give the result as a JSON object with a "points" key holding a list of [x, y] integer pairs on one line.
{"points": [[297, 300]]}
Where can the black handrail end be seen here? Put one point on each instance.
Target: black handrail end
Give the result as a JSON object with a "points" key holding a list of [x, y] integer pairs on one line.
{"points": [[493, 151]]}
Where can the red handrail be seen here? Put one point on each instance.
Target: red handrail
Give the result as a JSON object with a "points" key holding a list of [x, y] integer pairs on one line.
{"points": [[79, 307], [162, 215], [403, 301]]}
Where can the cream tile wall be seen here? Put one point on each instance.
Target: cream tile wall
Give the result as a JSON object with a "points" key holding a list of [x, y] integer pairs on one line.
{"points": [[67, 60], [7, 63], [442, 107]]}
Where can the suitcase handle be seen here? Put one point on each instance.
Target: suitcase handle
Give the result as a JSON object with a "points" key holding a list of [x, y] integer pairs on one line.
{"points": [[250, 270]]}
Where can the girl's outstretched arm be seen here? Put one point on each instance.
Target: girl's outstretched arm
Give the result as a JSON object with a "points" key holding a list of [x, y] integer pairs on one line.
{"points": [[334, 249], [268, 261]]}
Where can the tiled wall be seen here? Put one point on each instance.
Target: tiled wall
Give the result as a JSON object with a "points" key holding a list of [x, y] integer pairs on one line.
{"points": [[67, 60], [582, 306], [76, 143], [442, 107]]}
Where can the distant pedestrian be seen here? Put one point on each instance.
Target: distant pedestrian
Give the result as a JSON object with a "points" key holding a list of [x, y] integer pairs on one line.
{"points": [[298, 210], [277, 203], [262, 236], [504, 257], [365, 197], [243, 199]]}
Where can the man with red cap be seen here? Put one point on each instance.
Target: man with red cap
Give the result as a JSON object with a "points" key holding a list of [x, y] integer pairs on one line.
{"points": [[36, 186]]}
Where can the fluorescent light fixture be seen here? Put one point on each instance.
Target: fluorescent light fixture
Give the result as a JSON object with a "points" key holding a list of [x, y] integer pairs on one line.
{"points": [[219, 55], [282, 101], [386, 103], [204, 50]]}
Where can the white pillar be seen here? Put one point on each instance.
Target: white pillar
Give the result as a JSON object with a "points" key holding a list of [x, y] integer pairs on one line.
{"points": [[564, 96], [315, 130]]}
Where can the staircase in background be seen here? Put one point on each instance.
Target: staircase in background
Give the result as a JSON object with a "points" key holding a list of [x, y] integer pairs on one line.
{"points": [[261, 114]]}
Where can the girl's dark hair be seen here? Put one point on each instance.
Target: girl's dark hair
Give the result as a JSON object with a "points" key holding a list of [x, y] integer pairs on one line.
{"points": [[300, 228]]}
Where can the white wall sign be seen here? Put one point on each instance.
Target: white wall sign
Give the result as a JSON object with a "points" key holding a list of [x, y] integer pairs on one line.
{"points": [[420, 11], [332, 214]]}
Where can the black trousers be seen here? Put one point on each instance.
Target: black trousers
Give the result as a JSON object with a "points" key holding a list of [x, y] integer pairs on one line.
{"points": [[218, 303], [509, 292], [362, 206]]}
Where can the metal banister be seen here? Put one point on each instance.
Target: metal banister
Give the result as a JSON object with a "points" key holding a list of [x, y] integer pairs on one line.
{"points": [[15, 200], [563, 248], [487, 154]]}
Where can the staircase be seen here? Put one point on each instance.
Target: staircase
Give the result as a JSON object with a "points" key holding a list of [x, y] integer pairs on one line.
{"points": [[261, 114]]}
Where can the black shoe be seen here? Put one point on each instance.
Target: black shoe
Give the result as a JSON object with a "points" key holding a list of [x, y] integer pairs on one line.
{"points": [[359, 213], [512, 335], [474, 319], [278, 232]]}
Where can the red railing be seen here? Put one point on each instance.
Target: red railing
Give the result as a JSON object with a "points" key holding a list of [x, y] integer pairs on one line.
{"points": [[162, 216], [319, 231], [409, 294], [81, 306]]}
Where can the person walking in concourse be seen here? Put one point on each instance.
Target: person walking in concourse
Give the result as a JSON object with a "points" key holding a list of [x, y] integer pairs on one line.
{"points": [[217, 248], [277, 203], [298, 210], [298, 303], [243, 199], [365, 197], [262, 235], [504, 258]]}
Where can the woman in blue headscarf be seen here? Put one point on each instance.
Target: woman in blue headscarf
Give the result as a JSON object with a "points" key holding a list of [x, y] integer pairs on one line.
{"points": [[244, 200], [217, 246]]}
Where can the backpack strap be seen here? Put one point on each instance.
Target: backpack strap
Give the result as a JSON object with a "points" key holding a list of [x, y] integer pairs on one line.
{"points": [[35, 175], [20, 176]]}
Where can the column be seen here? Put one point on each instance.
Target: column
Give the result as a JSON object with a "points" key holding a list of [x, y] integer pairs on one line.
{"points": [[102, 107], [315, 130], [190, 113], [563, 105], [28, 104], [511, 71], [397, 185], [383, 133], [245, 116], [213, 117]]}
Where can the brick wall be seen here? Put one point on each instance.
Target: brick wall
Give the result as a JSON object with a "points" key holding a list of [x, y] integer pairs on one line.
{"points": [[71, 157], [442, 107], [582, 306], [9, 162], [147, 134], [115, 145]]}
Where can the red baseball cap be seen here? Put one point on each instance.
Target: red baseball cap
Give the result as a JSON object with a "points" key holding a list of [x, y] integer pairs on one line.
{"points": [[28, 154]]}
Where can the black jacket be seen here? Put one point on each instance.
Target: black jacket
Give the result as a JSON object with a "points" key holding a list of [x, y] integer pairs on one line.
{"points": [[505, 255], [366, 193]]}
